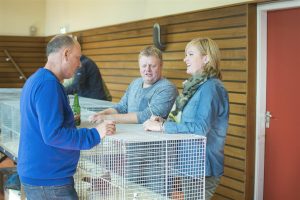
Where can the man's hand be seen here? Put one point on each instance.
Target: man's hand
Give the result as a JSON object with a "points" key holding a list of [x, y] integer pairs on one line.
{"points": [[107, 127], [97, 118]]}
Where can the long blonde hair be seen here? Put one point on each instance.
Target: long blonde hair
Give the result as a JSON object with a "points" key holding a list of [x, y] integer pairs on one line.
{"points": [[208, 47]]}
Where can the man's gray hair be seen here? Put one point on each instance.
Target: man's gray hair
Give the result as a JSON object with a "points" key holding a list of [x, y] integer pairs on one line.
{"points": [[59, 41]]}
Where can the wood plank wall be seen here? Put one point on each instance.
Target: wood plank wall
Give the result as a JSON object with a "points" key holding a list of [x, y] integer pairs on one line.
{"points": [[115, 49], [27, 52]]}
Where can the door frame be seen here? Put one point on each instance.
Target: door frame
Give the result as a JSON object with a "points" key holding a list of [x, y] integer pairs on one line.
{"points": [[261, 65]]}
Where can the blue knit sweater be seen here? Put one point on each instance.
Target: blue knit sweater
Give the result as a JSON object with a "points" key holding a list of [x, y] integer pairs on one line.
{"points": [[50, 144]]}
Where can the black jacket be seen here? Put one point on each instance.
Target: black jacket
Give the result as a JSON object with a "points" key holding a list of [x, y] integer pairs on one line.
{"points": [[87, 81]]}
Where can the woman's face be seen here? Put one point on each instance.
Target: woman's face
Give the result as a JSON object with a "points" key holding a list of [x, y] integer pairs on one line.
{"points": [[194, 60]]}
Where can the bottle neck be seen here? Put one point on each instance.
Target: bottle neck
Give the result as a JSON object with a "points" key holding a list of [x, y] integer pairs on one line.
{"points": [[76, 100]]}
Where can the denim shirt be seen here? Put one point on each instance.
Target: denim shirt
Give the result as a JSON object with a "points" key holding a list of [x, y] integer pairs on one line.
{"points": [[206, 114], [87, 81]]}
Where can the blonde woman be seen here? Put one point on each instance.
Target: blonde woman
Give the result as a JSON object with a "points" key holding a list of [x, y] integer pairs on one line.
{"points": [[201, 109]]}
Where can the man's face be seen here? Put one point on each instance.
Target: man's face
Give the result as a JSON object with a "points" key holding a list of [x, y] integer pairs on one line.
{"points": [[72, 60], [150, 69]]}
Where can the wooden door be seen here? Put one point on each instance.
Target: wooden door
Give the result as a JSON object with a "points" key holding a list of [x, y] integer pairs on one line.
{"points": [[282, 150]]}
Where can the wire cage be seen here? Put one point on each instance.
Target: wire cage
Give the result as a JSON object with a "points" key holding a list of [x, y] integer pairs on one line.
{"points": [[10, 120], [9, 128], [131, 164], [8, 94], [134, 164], [89, 104]]}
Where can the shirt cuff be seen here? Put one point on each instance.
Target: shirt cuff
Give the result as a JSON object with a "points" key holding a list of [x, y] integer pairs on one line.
{"points": [[170, 127]]}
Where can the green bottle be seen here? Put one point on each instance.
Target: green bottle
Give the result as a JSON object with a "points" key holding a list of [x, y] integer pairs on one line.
{"points": [[76, 110]]}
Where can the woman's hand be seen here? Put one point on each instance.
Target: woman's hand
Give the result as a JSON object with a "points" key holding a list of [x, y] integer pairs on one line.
{"points": [[153, 124], [157, 118]]}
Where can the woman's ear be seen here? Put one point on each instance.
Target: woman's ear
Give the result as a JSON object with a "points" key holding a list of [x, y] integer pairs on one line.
{"points": [[206, 59]]}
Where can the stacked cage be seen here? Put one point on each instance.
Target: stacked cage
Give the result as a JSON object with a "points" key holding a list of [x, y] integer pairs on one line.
{"points": [[134, 164], [94, 105], [7, 95], [10, 94], [10, 125]]}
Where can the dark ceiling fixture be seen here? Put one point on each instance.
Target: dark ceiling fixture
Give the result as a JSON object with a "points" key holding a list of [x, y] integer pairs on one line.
{"points": [[157, 37]]}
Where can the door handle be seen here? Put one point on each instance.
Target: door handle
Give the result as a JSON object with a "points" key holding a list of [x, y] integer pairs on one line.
{"points": [[268, 119]]}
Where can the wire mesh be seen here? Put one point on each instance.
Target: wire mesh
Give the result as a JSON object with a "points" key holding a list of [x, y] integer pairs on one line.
{"points": [[91, 104], [8, 94], [8, 141], [134, 164], [10, 120]]}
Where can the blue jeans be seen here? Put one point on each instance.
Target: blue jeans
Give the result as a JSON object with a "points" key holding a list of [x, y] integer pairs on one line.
{"points": [[211, 184], [63, 192]]}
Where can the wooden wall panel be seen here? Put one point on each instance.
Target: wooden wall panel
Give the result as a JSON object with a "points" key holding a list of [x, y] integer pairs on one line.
{"points": [[27, 52], [115, 50]]}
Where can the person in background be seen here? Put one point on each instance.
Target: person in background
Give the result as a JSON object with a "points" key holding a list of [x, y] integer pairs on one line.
{"points": [[151, 94], [87, 81], [202, 108], [50, 143]]}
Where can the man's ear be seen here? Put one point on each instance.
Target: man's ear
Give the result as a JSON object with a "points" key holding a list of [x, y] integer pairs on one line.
{"points": [[66, 53]]}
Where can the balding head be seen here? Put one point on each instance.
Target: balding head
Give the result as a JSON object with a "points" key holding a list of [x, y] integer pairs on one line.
{"points": [[63, 56], [60, 41]]}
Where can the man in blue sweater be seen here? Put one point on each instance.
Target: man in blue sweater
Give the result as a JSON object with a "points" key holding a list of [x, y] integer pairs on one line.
{"points": [[50, 143]]}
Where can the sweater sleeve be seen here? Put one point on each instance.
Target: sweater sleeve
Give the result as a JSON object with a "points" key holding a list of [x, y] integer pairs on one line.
{"points": [[160, 103], [122, 106], [52, 117]]}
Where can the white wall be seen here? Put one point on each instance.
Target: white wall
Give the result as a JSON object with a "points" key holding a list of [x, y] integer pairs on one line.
{"points": [[86, 14], [16, 16], [50, 15]]}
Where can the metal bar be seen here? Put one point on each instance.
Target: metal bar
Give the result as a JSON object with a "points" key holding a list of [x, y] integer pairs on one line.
{"points": [[15, 64]]}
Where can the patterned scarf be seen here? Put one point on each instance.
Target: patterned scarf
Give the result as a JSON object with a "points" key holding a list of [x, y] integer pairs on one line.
{"points": [[190, 86]]}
